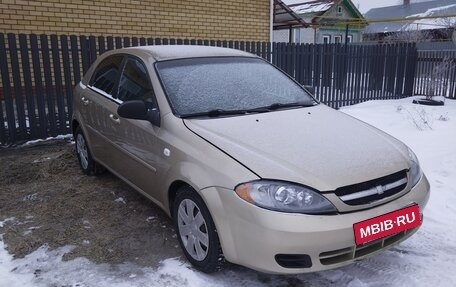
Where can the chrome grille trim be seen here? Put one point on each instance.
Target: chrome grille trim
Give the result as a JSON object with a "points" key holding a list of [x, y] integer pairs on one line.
{"points": [[373, 190], [380, 189]]}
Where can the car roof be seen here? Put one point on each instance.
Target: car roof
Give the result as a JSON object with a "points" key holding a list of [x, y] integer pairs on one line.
{"points": [[169, 52]]}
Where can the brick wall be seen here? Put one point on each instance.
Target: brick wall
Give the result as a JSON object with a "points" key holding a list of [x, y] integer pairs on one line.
{"points": [[204, 19]]}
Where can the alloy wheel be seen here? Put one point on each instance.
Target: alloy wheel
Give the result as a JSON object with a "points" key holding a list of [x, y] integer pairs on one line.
{"points": [[81, 147], [193, 229]]}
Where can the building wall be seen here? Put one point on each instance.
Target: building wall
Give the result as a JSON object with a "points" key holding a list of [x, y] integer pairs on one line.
{"points": [[339, 30], [334, 12], [205, 19], [306, 35], [356, 35], [281, 35]]}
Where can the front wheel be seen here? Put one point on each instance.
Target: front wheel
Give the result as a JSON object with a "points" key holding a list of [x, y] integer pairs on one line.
{"points": [[196, 231]]}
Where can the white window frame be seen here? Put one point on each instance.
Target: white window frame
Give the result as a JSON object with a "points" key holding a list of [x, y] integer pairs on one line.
{"points": [[297, 35], [326, 37], [349, 39], [338, 37]]}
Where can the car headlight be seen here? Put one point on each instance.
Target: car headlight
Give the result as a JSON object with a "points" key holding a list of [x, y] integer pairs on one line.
{"points": [[285, 197], [415, 170]]}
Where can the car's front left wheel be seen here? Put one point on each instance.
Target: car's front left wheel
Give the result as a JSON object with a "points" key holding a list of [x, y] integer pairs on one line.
{"points": [[196, 231]]}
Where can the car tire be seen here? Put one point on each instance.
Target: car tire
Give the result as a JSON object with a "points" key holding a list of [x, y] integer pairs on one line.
{"points": [[86, 162], [196, 231]]}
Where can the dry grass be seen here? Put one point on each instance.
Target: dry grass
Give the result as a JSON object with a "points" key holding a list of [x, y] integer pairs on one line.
{"points": [[53, 203]]}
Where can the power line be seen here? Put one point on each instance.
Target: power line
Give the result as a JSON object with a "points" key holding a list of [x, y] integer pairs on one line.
{"points": [[357, 21]]}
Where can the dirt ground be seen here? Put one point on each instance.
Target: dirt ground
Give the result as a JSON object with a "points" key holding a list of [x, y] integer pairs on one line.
{"points": [[46, 199]]}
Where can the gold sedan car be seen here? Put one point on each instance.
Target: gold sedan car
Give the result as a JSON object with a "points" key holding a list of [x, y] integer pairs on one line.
{"points": [[252, 169]]}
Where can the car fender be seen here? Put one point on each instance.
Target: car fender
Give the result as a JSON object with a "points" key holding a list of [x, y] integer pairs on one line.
{"points": [[193, 175], [202, 182]]}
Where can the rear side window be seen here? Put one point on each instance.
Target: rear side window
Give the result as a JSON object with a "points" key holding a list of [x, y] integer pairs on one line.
{"points": [[135, 83], [106, 74]]}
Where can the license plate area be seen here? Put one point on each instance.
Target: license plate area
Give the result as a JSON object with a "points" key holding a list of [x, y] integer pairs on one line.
{"points": [[387, 224]]}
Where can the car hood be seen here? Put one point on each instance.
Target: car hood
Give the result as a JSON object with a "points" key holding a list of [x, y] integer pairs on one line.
{"points": [[316, 146]]}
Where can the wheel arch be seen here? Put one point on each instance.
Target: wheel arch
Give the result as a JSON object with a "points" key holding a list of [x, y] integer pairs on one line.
{"points": [[74, 125], [172, 191]]}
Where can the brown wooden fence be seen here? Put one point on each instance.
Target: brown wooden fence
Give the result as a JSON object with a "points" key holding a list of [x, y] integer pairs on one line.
{"points": [[38, 73]]}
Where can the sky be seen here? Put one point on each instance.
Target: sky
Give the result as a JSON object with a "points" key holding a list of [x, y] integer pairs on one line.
{"points": [[365, 5]]}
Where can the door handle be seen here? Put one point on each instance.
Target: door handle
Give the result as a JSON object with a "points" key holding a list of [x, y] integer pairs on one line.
{"points": [[114, 118], [85, 101]]}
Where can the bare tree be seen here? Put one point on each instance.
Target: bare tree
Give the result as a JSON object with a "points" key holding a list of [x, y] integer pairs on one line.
{"points": [[449, 25], [437, 80], [447, 22], [409, 36]]}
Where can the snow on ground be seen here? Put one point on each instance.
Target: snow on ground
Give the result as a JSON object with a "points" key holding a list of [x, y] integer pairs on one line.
{"points": [[59, 137], [427, 258]]}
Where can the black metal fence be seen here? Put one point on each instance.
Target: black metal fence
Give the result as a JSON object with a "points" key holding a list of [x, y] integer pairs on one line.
{"points": [[349, 74], [435, 73], [38, 73]]}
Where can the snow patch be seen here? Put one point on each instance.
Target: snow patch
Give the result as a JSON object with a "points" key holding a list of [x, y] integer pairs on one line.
{"points": [[432, 23], [2, 223], [31, 197], [311, 8], [59, 137], [44, 267], [120, 200], [150, 219]]}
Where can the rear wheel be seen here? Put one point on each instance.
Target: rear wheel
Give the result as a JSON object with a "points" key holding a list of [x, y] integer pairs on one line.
{"points": [[196, 231], [86, 162]]}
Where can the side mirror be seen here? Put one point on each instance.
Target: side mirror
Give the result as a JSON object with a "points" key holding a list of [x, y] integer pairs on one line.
{"points": [[310, 89], [137, 110], [153, 116]]}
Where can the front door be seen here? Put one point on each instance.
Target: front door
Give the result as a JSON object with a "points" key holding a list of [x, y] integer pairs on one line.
{"points": [[138, 140]]}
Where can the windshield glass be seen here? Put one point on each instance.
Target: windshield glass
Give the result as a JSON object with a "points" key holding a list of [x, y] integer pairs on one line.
{"points": [[199, 85]]}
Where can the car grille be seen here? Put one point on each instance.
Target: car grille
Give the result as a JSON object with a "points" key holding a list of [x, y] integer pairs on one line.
{"points": [[350, 253], [373, 190]]}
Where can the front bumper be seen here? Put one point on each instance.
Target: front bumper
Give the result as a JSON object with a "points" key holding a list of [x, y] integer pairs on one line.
{"points": [[253, 236]]}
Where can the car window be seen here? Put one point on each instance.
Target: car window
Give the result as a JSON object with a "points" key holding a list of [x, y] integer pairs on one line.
{"points": [[106, 74], [198, 85], [135, 83]]}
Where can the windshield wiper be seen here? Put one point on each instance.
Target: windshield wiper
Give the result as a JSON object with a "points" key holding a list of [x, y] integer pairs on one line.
{"points": [[220, 112], [277, 106]]}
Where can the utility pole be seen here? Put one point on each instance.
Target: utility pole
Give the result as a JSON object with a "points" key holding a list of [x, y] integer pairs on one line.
{"points": [[417, 32], [346, 34], [290, 35]]}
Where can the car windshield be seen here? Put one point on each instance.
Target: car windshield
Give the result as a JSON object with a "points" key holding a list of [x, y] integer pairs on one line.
{"points": [[228, 85]]}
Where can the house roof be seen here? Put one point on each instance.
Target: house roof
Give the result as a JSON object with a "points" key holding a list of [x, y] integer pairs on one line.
{"points": [[313, 7], [413, 10], [317, 8]]}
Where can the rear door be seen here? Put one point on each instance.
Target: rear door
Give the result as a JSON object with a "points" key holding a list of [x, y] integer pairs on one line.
{"points": [[100, 104]]}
